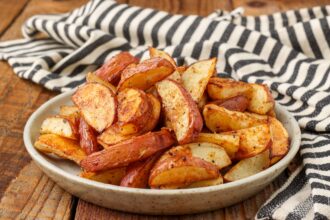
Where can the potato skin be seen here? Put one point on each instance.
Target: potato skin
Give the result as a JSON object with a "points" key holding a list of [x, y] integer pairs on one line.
{"points": [[137, 175], [113, 135], [134, 108], [146, 74], [222, 88], [97, 104], [93, 78], [195, 119], [88, 140], [126, 152], [159, 53], [111, 71], [238, 103], [180, 158]]}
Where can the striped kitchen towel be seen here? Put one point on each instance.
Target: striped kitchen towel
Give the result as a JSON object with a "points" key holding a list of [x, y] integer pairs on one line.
{"points": [[289, 52]]}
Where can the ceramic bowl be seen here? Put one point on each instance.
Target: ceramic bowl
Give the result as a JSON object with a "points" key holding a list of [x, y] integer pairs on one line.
{"points": [[151, 201]]}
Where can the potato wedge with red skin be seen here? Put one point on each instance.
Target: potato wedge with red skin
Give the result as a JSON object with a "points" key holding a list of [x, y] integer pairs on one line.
{"points": [[253, 141], [230, 142], [220, 119], [66, 110], [280, 138], [97, 104], [134, 108], [146, 74], [114, 135], [261, 100], [179, 167], [248, 167], [162, 54], [155, 114], [196, 77], [111, 71], [93, 78], [60, 146], [88, 140], [211, 153], [202, 183], [137, 175], [64, 126], [238, 103], [112, 176], [222, 88], [126, 152], [181, 110]]}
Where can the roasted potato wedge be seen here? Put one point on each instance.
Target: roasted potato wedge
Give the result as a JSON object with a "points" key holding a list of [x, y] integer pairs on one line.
{"points": [[280, 138], [66, 110], [97, 105], [155, 114], [111, 71], [162, 54], [196, 77], [253, 141], [205, 183], [87, 139], [238, 103], [112, 176], [202, 102], [146, 74], [137, 175], [221, 88], [202, 183], [134, 108], [275, 159], [181, 110], [114, 135], [177, 167], [211, 153], [248, 167], [230, 142], [60, 125], [177, 74], [93, 78], [60, 146], [126, 152], [219, 119], [261, 100]]}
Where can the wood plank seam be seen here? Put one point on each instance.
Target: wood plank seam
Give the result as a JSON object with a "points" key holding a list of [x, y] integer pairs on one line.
{"points": [[14, 18]]}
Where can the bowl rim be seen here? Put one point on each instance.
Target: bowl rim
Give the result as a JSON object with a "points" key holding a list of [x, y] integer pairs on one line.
{"points": [[41, 161]]}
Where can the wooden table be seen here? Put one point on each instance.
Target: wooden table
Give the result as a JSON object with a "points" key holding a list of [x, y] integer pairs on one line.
{"points": [[25, 191]]}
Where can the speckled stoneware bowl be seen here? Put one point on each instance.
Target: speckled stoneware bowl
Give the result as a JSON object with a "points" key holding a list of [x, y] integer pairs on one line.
{"points": [[147, 201]]}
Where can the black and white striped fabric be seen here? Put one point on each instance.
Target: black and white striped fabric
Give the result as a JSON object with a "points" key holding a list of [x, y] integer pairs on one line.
{"points": [[289, 52]]}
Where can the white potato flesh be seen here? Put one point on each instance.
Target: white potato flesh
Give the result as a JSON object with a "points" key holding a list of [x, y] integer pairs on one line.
{"points": [[196, 77], [248, 167], [211, 153]]}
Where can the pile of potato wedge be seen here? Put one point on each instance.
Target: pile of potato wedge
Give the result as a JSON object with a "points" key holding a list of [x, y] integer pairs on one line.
{"points": [[153, 124]]}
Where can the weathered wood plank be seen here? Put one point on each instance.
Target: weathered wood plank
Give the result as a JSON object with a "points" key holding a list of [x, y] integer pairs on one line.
{"points": [[9, 12], [186, 7], [19, 98], [32, 195], [258, 7]]}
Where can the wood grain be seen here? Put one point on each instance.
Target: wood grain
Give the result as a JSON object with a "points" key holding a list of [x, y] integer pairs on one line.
{"points": [[32, 195]]}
